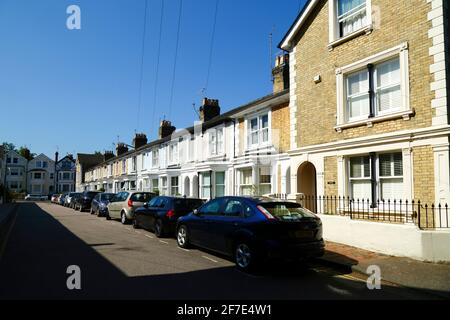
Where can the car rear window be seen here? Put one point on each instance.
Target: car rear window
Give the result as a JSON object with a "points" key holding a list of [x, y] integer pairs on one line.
{"points": [[141, 197], [187, 204], [287, 211]]}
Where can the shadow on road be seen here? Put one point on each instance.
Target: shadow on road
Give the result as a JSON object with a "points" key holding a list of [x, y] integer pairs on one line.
{"points": [[40, 249]]}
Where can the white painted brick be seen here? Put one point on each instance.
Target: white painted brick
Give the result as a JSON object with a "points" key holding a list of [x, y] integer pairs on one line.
{"points": [[436, 49], [440, 75], [439, 57], [438, 39], [433, 32], [436, 22], [436, 3], [437, 85], [441, 102], [441, 120], [435, 13], [437, 67], [441, 93], [441, 111]]}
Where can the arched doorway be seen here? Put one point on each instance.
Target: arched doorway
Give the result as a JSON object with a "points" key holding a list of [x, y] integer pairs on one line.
{"points": [[307, 185], [187, 187]]}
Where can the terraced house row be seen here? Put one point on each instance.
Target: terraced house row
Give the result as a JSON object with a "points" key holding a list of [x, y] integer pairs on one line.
{"points": [[359, 120]]}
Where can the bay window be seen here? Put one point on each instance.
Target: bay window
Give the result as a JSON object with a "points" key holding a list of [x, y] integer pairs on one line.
{"points": [[265, 177], [174, 186], [246, 182], [205, 185], [220, 184]]}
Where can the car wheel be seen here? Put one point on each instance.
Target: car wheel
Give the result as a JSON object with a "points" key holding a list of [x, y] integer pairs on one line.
{"points": [[182, 237], [91, 211], [244, 256], [98, 213], [107, 216], [81, 208], [159, 228], [123, 218], [135, 224]]}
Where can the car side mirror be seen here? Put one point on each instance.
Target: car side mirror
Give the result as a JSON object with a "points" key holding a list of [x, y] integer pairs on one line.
{"points": [[146, 205]]}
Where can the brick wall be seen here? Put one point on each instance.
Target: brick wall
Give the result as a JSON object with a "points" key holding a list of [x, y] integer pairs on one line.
{"points": [[331, 176], [401, 21], [280, 127], [423, 164]]}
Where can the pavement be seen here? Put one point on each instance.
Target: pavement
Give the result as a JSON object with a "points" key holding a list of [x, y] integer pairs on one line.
{"points": [[119, 262], [432, 277]]}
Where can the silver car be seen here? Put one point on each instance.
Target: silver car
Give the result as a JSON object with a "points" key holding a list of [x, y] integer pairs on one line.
{"points": [[123, 204]]}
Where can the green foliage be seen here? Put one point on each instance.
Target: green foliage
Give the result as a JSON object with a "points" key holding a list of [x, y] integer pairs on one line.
{"points": [[101, 190], [9, 146]]}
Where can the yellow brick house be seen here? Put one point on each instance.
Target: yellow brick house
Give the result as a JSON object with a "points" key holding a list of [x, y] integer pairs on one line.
{"points": [[369, 115]]}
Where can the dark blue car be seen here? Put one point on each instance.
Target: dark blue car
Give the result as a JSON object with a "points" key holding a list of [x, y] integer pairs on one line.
{"points": [[251, 229], [100, 202]]}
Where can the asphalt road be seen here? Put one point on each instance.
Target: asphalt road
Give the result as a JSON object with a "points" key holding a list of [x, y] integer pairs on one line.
{"points": [[118, 262]]}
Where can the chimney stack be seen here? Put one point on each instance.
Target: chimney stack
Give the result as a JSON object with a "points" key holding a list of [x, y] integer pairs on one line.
{"points": [[280, 73], [166, 129], [108, 155], [56, 156], [121, 148], [139, 140], [209, 109]]}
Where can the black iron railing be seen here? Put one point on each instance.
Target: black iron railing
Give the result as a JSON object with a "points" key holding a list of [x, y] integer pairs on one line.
{"points": [[424, 215]]}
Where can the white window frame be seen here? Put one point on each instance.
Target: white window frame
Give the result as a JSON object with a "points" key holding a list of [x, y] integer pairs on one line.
{"points": [[404, 111], [222, 185], [266, 184], [377, 174], [241, 180], [333, 28], [164, 186], [173, 186], [204, 187], [155, 158], [216, 147], [173, 153], [248, 130]]}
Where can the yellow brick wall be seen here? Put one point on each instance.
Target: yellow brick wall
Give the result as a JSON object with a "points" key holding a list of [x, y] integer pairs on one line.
{"points": [[242, 136], [401, 21], [331, 176], [423, 164], [281, 125]]}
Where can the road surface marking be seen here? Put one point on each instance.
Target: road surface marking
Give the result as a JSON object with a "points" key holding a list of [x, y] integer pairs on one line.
{"points": [[210, 259], [149, 236], [163, 241], [184, 249]]}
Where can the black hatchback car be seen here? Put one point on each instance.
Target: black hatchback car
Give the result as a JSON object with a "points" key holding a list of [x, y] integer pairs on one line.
{"points": [[251, 229], [161, 214], [83, 202]]}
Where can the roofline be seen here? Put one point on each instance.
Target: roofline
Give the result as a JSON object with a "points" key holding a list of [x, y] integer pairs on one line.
{"points": [[226, 117], [298, 22]]}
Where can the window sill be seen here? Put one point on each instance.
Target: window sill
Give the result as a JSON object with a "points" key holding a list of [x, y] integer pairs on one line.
{"points": [[406, 115], [366, 30]]}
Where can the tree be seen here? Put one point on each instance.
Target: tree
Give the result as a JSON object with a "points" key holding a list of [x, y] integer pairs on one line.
{"points": [[9, 146], [25, 152]]}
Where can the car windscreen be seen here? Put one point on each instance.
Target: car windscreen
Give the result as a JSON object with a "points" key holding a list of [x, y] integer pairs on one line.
{"points": [[91, 195], [141, 197], [107, 196], [287, 211], [187, 204]]}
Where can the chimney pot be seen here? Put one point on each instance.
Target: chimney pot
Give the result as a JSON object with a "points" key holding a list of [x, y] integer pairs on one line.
{"points": [[166, 129], [209, 109]]}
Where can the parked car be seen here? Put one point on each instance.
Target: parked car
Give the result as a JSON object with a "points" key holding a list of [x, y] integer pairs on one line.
{"points": [[62, 199], [83, 201], [68, 199], [35, 197], [161, 214], [123, 204], [100, 202], [252, 229], [54, 197], [74, 200]]}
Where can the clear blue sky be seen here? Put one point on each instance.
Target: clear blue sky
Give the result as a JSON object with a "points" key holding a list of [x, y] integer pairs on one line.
{"points": [[79, 89]]}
